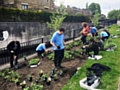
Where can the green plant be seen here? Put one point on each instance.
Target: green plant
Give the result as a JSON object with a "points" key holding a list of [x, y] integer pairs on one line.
{"points": [[44, 77], [29, 77], [109, 44], [55, 77], [51, 56], [17, 82], [34, 86], [33, 61], [57, 19], [41, 73], [14, 75]]}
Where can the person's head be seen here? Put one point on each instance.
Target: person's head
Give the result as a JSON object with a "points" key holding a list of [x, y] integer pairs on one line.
{"points": [[45, 43], [92, 40], [98, 39], [84, 24], [61, 30]]}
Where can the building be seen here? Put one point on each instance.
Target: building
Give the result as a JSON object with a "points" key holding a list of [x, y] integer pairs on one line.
{"points": [[28, 4]]}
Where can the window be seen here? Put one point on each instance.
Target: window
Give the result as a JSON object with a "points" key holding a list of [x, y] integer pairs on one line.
{"points": [[46, 0], [24, 6]]}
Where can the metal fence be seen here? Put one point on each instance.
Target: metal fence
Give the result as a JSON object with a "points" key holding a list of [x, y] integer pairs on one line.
{"points": [[29, 47]]}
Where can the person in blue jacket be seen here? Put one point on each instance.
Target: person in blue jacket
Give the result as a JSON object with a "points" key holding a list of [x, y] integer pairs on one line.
{"points": [[93, 31], [41, 48], [103, 35], [57, 41]]}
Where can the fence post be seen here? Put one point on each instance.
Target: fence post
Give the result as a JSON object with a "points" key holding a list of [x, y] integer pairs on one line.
{"points": [[42, 39], [73, 34]]}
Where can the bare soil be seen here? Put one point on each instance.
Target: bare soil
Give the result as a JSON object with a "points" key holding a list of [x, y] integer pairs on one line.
{"points": [[69, 70]]}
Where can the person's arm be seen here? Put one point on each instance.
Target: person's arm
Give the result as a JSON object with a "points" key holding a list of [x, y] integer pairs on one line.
{"points": [[44, 49], [10, 47], [52, 41], [18, 43]]}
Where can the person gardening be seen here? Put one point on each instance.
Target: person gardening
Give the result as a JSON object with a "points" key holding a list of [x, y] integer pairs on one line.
{"points": [[41, 49], [14, 48], [57, 41]]}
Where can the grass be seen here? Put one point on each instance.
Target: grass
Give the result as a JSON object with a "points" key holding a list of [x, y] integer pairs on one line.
{"points": [[109, 79]]}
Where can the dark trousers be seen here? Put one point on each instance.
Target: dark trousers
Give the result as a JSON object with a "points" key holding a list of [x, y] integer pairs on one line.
{"points": [[94, 34], [39, 52], [104, 38], [12, 58], [83, 39], [96, 51], [58, 56]]}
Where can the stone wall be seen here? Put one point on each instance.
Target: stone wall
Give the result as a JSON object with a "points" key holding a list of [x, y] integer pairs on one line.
{"points": [[25, 31]]}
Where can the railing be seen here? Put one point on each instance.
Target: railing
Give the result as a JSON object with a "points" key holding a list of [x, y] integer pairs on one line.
{"points": [[29, 47]]}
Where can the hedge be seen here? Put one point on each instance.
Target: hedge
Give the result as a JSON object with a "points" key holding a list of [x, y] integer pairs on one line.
{"points": [[9, 14]]}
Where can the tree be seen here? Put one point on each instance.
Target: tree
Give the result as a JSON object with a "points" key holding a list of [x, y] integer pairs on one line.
{"points": [[96, 18], [94, 7], [114, 14], [57, 18]]}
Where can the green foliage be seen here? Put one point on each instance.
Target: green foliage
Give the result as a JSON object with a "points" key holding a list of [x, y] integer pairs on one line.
{"points": [[96, 18], [33, 61], [95, 7], [57, 19], [109, 44], [8, 14], [36, 87], [114, 14], [79, 14]]}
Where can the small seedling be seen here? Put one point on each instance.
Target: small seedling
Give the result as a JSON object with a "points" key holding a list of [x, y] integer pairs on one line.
{"points": [[51, 73], [44, 77], [23, 84], [55, 77], [17, 82], [48, 80], [60, 72], [36, 79], [29, 77], [41, 73]]}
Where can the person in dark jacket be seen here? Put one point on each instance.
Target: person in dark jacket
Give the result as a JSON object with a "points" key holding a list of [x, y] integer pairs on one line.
{"points": [[14, 48], [92, 46]]}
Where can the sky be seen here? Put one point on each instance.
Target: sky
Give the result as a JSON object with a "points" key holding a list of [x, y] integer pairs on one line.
{"points": [[106, 5]]}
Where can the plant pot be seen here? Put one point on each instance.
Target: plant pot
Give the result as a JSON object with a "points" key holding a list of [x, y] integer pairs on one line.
{"points": [[48, 83], [18, 83], [23, 86], [36, 80], [60, 73], [30, 78], [41, 73]]}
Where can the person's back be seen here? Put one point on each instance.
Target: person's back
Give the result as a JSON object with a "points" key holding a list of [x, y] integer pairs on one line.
{"points": [[40, 47], [107, 33]]}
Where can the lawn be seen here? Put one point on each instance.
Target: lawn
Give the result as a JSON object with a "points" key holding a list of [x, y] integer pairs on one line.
{"points": [[109, 79]]}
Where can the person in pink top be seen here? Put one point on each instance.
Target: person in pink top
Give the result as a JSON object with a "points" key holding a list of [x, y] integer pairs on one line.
{"points": [[84, 32]]}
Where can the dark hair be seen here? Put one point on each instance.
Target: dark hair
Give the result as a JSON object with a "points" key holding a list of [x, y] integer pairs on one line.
{"points": [[98, 38], [92, 40], [62, 30], [84, 24]]}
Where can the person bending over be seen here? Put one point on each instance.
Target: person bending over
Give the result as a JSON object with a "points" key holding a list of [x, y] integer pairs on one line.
{"points": [[41, 48], [91, 47], [14, 48]]}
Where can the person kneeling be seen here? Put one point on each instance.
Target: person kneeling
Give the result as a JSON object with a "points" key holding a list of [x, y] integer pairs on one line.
{"points": [[41, 48], [91, 47]]}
